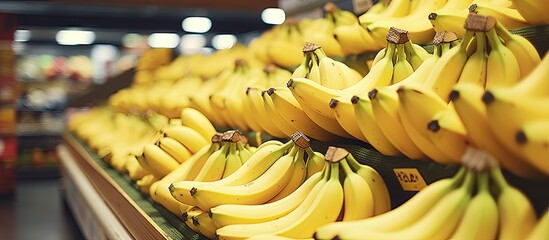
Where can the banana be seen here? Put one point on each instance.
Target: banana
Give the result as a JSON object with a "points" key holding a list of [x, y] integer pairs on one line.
{"points": [[439, 222], [174, 148], [135, 170], [241, 231], [228, 214], [257, 191], [448, 134], [402, 68], [275, 117], [392, 126], [367, 124], [533, 140], [290, 110], [204, 224], [380, 193], [532, 85], [315, 162], [232, 161], [397, 8], [285, 51], [449, 19], [405, 215], [244, 151], [314, 69], [502, 67], [158, 162], [517, 217], [321, 31], [258, 163], [475, 68], [211, 170], [380, 75], [194, 119], [415, 54], [324, 209], [467, 102], [268, 126], [331, 74], [532, 11], [416, 109], [355, 39], [298, 176], [187, 136], [188, 215], [527, 55], [509, 17], [446, 72], [480, 220], [203, 155], [540, 231], [516, 114], [358, 197], [145, 183]]}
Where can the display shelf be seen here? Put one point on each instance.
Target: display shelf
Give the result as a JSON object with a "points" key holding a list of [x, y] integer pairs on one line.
{"points": [[140, 216], [37, 172]]}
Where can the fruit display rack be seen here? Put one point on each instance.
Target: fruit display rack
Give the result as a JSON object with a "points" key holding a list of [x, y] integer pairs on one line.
{"points": [[127, 213]]}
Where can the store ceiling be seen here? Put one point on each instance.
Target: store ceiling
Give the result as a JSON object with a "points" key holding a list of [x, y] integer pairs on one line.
{"points": [[142, 16]]}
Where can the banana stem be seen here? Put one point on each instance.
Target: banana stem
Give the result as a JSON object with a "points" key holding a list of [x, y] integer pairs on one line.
{"points": [[483, 182], [466, 40], [458, 177], [299, 155], [502, 32], [469, 180], [355, 165], [493, 39], [346, 168], [334, 171], [327, 171], [498, 178], [481, 42]]}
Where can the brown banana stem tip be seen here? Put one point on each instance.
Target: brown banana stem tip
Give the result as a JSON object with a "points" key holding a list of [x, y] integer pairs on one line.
{"points": [[270, 91], [444, 37], [479, 23], [310, 47], [333, 103], [330, 7], [269, 68], [335, 154], [397, 35], [301, 140]]}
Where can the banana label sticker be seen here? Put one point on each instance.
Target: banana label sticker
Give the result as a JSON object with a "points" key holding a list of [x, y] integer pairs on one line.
{"points": [[410, 179]]}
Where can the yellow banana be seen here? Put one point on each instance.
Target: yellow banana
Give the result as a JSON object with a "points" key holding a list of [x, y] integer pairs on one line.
{"points": [[527, 55], [438, 222], [532, 138], [402, 68], [475, 68], [517, 217], [540, 231], [358, 197], [449, 19], [187, 136], [135, 170], [466, 99], [290, 110], [257, 191], [298, 176], [256, 100], [194, 119], [399, 218], [158, 162], [532, 10], [448, 134], [204, 224], [228, 214], [188, 215], [275, 117], [480, 220], [509, 17], [315, 162], [232, 161], [145, 183], [174, 148], [502, 67]]}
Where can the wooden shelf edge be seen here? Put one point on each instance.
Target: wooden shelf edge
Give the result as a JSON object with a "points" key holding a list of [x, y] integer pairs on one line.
{"points": [[134, 219]]}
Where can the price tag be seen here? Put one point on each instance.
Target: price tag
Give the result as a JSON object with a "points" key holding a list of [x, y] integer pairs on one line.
{"points": [[361, 6], [410, 179]]}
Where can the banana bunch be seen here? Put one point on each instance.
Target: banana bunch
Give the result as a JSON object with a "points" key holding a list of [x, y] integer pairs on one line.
{"points": [[113, 136], [405, 14], [427, 114], [516, 141], [343, 190], [503, 11], [272, 172], [331, 108], [477, 203]]}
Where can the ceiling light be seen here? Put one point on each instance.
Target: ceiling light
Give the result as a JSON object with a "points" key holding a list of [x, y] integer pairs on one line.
{"points": [[74, 37], [22, 35], [163, 40], [131, 40], [192, 43], [196, 24], [223, 41], [273, 16]]}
